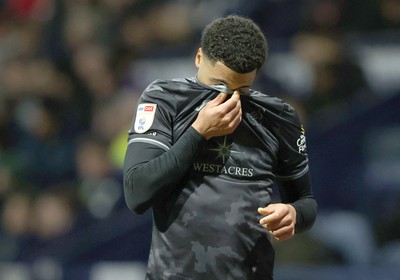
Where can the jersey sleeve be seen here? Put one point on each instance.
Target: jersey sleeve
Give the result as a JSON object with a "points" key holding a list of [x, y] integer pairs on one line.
{"points": [[298, 192], [292, 155], [295, 182], [151, 174], [154, 164], [153, 119]]}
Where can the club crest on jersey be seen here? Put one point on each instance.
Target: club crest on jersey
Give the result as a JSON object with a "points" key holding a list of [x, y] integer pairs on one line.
{"points": [[144, 117]]}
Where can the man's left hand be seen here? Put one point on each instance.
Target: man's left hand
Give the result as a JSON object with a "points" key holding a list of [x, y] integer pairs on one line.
{"points": [[280, 220]]}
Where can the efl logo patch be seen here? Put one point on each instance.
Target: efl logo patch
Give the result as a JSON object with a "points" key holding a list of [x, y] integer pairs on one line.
{"points": [[144, 117]]}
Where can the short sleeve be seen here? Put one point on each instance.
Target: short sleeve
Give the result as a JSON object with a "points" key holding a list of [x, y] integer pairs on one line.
{"points": [[152, 122]]}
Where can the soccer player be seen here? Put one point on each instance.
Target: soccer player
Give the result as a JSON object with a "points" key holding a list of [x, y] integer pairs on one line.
{"points": [[203, 154]]}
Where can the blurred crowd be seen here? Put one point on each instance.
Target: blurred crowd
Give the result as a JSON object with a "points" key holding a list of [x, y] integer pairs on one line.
{"points": [[67, 93]]}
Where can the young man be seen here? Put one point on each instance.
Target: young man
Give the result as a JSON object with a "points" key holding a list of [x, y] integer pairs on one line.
{"points": [[203, 154]]}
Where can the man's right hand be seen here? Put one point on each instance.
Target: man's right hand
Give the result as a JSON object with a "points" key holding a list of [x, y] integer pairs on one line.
{"points": [[219, 118]]}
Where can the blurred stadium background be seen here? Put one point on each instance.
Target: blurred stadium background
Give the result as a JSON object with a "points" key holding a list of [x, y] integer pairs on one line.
{"points": [[70, 75]]}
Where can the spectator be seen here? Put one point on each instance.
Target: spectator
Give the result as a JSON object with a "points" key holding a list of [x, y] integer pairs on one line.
{"points": [[339, 84], [15, 223], [45, 155], [99, 180]]}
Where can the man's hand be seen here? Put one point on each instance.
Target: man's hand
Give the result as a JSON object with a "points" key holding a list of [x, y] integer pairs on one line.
{"points": [[219, 118], [280, 220]]}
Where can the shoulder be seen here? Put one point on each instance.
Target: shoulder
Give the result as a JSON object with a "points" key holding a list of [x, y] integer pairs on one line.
{"points": [[272, 104], [169, 86], [173, 94]]}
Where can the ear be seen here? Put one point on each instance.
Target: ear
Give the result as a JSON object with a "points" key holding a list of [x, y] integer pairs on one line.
{"points": [[198, 57]]}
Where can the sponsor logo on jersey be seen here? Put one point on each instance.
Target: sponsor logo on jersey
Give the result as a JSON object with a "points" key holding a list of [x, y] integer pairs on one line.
{"points": [[301, 142], [225, 153], [144, 117], [224, 150], [222, 169]]}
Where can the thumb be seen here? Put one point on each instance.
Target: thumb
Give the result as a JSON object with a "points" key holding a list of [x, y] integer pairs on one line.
{"points": [[266, 210]]}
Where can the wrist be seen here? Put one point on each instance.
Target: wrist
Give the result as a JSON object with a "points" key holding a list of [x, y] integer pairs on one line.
{"points": [[200, 130], [293, 213]]}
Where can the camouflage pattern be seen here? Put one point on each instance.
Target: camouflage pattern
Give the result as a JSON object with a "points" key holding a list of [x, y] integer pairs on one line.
{"points": [[208, 228]]}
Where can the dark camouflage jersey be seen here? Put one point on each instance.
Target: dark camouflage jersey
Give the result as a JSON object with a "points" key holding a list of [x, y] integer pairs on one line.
{"points": [[208, 227]]}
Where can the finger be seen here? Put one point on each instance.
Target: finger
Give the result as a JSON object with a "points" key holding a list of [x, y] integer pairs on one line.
{"points": [[235, 95], [266, 210], [219, 99], [269, 225], [283, 233], [230, 105], [233, 98], [229, 114], [274, 217], [278, 210], [277, 225], [235, 122]]}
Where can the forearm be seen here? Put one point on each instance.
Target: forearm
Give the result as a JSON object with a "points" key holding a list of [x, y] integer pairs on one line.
{"points": [[306, 210], [150, 174], [299, 194]]}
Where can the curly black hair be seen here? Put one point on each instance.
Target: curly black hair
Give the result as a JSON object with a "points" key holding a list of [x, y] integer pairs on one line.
{"points": [[236, 41]]}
